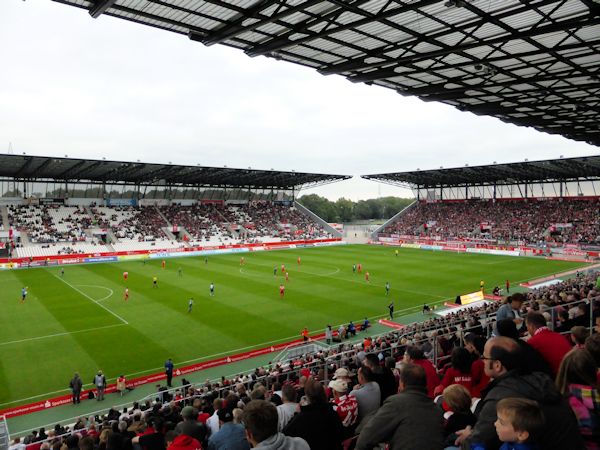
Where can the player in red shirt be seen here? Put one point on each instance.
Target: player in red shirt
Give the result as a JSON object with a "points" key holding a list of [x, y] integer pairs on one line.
{"points": [[367, 276], [359, 267], [126, 294], [507, 287], [125, 275], [299, 260], [283, 268], [281, 290], [164, 264]]}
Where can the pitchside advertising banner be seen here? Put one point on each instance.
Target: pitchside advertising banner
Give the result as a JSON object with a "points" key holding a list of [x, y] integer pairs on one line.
{"points": [[37, 261], [472, 297], [153, 378]]}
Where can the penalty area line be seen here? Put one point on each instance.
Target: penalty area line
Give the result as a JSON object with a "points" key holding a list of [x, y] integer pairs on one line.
{"points": [[90, 298]]}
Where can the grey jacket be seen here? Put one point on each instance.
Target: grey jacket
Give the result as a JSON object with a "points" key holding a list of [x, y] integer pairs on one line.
{"points": [[408, 421], [280, 441], [368, 398]]}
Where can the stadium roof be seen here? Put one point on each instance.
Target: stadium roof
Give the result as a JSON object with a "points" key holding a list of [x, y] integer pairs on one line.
{"points": [[531, 63], [567, 169], [102, 171]]}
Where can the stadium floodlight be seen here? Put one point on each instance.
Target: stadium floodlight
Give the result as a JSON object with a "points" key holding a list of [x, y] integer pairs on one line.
{"points": [[455, 3], [485, 69]]}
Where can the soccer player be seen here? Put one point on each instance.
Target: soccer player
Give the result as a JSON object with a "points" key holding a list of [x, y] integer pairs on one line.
{"points": [[391, 309], [164, 264], [396, 252], [154, 282], [481, 286], [126, 294], [507, 287], [180, 271], [353, 268], [387, 288], [23, 294], [212, 289], [125, 275], [359, 267], [283, 268], [299, 260], [281, 290], [274, 271], [242, 261], [287, 276], [206, 260], [62, 272], [367, 276], [190, 305]]}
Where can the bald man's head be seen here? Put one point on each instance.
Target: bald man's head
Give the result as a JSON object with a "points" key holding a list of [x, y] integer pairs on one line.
{"points": [[502, 354]]}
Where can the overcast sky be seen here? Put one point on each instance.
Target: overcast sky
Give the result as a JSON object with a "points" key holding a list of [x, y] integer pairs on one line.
{"points": [[92, 88]]}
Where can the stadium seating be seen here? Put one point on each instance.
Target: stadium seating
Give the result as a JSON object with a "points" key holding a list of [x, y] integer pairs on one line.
{"points": [[49, 224], [444, 332], [532, 222], [143, 228], [60, 249]]}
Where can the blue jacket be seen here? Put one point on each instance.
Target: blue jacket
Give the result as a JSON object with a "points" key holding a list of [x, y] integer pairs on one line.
{"points": [[231, 436]]}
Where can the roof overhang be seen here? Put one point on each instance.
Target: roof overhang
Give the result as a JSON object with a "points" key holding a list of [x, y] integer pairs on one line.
{"points": [[553, 170], [25, 167], [531, 63]]}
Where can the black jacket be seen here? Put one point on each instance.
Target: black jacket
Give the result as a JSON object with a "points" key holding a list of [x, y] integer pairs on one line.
{"points": [[319, 425], [560, 432], [406, 421]]}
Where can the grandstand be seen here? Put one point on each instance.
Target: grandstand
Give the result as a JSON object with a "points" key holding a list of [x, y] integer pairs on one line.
{"points": [[529, 63], [547, 205], [57, 206]]}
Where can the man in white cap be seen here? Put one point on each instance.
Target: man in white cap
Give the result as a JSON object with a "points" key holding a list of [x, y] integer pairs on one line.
{"points": [[345, 405], [342, 374]]}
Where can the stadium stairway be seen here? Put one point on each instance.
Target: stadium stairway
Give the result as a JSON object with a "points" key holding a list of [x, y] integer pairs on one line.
{"points": [[4, 438], [169, 227], [159, 212], [392, 219], [313, 216], [4, 215], [24, 238]]}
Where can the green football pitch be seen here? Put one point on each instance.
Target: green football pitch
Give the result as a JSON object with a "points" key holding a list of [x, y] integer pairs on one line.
{"points": [[80, 321]]}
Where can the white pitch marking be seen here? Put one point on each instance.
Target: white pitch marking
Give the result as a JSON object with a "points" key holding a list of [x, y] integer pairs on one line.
{"points": [[61, 334], [95, 301], [99, 287]]}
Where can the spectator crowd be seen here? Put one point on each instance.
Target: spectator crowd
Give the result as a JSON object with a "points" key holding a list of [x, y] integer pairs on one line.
{"points": [[497, 376], [536, 222], [200, 223]]}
